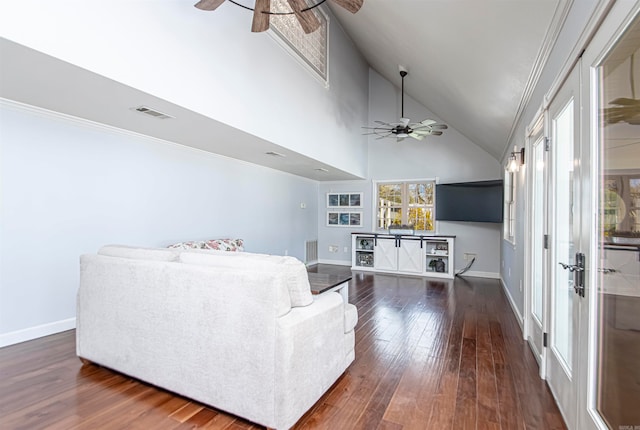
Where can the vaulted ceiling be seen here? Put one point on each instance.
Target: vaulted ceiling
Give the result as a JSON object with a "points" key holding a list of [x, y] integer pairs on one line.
{"points": [[471, 62]]}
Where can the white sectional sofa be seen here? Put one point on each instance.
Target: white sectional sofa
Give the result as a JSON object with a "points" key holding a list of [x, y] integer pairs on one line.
{"points": [[238, 331]]}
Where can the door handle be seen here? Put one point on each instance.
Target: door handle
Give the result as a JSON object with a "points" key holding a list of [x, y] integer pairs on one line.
{"points": [[578, 273], [571, 267]]}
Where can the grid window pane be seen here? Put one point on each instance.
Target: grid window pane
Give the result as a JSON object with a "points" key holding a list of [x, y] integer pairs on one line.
{"points": [[406, 203]]}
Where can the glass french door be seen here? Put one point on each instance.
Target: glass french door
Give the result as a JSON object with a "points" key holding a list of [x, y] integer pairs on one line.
{"points": [[565, 244], [612, 394]]}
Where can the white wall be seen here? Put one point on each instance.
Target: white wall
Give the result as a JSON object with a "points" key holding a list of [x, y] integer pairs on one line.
{"points": [[450, 158], [69, 187], [210, 63], [513, 270]]}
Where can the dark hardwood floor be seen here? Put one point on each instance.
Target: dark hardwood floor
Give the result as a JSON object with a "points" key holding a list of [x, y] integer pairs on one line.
{"points": [[430, 354]]}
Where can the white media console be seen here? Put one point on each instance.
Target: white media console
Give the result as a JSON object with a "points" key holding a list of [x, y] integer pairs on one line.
{"points": [[403, 254]]}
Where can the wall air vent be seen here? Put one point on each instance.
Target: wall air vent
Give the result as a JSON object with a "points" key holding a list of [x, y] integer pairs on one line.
{"points": [[151, 112]]}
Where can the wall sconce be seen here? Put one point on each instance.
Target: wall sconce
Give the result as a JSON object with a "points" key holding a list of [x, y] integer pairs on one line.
{"points": [[516, 159]]}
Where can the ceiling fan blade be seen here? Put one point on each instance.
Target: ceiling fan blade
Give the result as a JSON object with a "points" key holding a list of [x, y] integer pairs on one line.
{"points": [[208, 4], [436, 133], [383, 123], [308, 20], [623, 101], [404, 121], [261, 20], [428, 122], [383, 136], [417, 136], [439, 126], [351, 5]]}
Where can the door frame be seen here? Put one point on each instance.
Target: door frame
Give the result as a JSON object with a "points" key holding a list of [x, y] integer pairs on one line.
{"points": [[534, 132]]}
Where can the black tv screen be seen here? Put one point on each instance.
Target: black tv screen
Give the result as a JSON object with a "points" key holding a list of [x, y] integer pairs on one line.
{"points": [[470, 201]]}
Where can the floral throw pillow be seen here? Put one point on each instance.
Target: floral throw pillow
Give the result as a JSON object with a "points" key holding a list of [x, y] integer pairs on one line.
{"points": [[233, 245]]}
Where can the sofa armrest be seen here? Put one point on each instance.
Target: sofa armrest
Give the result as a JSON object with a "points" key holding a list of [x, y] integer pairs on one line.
{"points": [[309, 354]]}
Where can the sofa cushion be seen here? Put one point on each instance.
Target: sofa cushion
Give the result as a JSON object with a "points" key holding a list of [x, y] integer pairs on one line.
{"points": [[136, 253], [295, 272], [233, 245]]}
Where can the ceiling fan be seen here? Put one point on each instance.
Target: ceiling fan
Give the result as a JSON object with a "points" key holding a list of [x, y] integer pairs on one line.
{"points": [[262, 10], [405, 128], [626, 109]]}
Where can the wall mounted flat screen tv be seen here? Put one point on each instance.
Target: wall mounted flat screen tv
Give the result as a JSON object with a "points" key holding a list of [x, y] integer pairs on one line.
{"points": [[470, 201]]}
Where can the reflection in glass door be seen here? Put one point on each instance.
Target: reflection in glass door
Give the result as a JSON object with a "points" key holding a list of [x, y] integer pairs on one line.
{"points": [[564, 250], [618, 278], [538, 232]]}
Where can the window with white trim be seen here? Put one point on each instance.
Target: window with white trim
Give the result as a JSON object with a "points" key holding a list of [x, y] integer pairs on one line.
{"points": [[509, 210], [406, 203], [310, 48]]}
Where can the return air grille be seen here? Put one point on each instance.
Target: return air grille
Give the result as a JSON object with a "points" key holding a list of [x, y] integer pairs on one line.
{"points": [[311, 252]]}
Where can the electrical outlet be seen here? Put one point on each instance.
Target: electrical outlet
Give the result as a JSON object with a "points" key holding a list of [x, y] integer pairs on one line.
{"points": [[346, 249], [303, 205], [520, 285], [509, 271], [468, 256], [286, 252]]}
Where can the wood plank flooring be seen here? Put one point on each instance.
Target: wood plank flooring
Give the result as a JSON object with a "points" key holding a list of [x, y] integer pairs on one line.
{"points": [[430, 354]]}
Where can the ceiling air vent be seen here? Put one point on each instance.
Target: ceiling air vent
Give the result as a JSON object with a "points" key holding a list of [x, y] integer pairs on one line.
{"points": [[275, 154], [152, 112]]}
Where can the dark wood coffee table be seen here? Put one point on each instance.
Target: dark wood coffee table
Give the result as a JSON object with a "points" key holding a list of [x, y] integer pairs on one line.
{"points": [[324, 283]]}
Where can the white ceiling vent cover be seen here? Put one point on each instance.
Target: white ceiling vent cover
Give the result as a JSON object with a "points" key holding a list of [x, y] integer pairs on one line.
{"points": [[152, 112]]}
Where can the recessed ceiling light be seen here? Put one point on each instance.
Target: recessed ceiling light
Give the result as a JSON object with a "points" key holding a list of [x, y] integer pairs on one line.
{"points": [[151, 112], [275, 154]]}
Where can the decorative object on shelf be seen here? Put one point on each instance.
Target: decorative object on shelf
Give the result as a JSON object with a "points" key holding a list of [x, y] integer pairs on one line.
{"points": [[401, 130], [344, 200], [437, 265], [344, 219], [365, 259], [401, 229], [365, 245], [262, 11]]}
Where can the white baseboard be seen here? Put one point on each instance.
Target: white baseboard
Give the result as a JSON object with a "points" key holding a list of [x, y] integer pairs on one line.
{"points": [[476, 274], [336, 262], [30, 333], [514, 308]]}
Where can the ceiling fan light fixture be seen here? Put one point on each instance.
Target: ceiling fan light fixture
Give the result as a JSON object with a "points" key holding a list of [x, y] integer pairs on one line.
{"points": [[405, 128]]}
